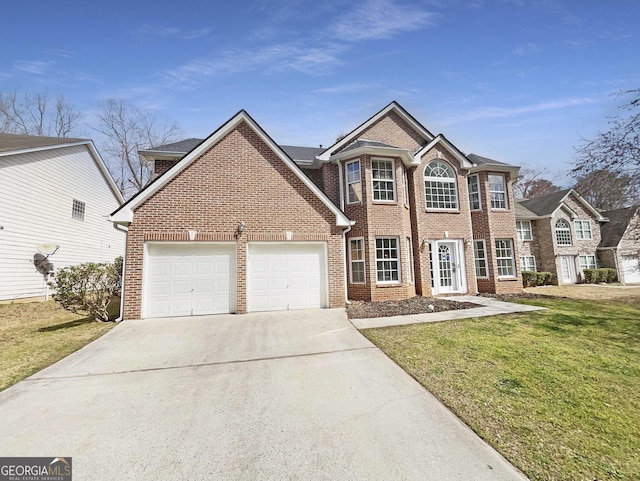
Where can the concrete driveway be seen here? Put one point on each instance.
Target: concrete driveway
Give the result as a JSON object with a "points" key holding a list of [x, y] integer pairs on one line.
{"points": [[286, 395]]}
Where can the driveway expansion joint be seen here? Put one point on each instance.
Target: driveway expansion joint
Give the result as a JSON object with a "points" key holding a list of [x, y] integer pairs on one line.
{"points": [[196, 365]]}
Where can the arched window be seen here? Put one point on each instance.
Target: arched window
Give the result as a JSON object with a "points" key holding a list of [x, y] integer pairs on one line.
{"points": [[563, 233], [440, 186]]}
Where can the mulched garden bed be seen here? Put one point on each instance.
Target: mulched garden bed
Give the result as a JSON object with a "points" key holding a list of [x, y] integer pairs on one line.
{"points": [[415, 305], [515, 297]]}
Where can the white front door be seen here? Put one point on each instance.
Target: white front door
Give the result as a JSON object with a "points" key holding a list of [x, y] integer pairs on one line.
{"points": [[447, 267], [568, 269]]}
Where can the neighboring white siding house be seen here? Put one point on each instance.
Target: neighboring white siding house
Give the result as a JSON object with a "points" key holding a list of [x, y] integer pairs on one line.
{"points": [[53, 191]]}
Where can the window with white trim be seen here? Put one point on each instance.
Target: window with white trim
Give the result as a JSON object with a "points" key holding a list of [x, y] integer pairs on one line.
{"points": [[473, 184], [504, 258], [523, 230], [528, 263], [77, 210], [354, 184], [587, 262], [563, 233], [480, 256], [384, 181], [410, 260], [356, 258], [498, 191], [440, 187], [387, 260], [583, 229]]}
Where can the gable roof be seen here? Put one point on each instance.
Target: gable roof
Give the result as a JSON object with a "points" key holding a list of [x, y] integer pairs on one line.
{"points": [[11, 144], [613, 231], [442, 140], [124, 215], [354, 134], [547, 205]]}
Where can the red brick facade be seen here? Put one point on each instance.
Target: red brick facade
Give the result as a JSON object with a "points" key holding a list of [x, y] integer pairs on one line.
{"points": [[407, 248]]}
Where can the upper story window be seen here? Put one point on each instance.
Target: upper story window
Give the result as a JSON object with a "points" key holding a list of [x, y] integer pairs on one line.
{"points": [[473, 184], [440, 186], [77, 210], [563, 233], [523, 230], [405, 179], [354, 183], [583, 229], [384, 181], [498, 191]]}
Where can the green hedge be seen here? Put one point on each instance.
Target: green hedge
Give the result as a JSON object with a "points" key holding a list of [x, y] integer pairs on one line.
{"points": [[532, 279], [597, 276]]}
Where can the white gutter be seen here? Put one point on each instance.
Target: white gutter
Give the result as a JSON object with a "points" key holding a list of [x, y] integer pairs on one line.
{"points": [[124, 229], [340, 187]]}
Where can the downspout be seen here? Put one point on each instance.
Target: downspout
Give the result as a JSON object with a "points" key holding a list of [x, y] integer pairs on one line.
{"points": [[344, 234], [124, 229]]}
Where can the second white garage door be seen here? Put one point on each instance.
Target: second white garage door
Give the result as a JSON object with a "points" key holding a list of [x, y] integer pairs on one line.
{"points": [[286, 276], [189, 279], [631, 268]]}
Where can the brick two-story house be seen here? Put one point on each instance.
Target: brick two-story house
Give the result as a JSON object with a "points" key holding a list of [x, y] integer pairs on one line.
{"points": [[558, 233], [237, 223]]}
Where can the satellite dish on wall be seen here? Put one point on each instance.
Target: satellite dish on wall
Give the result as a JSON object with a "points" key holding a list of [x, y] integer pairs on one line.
{"points": [[43, 265], [48, 248]]}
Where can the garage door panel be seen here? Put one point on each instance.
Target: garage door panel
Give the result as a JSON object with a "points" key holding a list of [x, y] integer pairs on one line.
{"points": [[286, 276], [184, 280]]}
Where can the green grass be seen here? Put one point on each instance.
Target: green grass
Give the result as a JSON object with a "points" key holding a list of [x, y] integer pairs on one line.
{"points": [[35, 335], [556, 392]]}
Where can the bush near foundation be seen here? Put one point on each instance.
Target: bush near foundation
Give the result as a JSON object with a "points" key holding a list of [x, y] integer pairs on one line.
{"points": [[532, 279], [88, 288], [597, 276]]}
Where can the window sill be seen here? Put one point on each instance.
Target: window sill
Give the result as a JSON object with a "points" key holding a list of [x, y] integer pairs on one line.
{"points": [[442, 211], [385, 202], [507, 279], [390, 284]]}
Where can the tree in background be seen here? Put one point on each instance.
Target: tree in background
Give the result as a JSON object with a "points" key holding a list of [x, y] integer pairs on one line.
{"points": [[127, 130], [34, 114], [606, 190], [532, 183], [612, 156]]}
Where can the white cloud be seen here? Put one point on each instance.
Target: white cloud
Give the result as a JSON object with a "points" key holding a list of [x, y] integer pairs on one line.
{"points": [[175, 32], [526, 49], [503, 112], [349, 87], [38, 67], [380, 19]]}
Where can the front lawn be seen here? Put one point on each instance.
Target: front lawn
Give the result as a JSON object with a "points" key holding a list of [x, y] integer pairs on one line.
{"points": [[35, 335], [557, 392]]}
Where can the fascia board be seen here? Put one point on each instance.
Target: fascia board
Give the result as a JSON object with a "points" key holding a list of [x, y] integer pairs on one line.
{"points": [[495, 168], [44, 147], [464, 162], [599, 217]]}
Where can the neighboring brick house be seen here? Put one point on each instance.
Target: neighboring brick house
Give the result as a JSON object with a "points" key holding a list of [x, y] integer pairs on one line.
{"points": [[558, 233], [237, 223], [620, 244]]}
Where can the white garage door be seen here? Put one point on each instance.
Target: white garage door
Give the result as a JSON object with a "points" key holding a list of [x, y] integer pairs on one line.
{"points": [[286, 276], [189, 280], [631, 269]]}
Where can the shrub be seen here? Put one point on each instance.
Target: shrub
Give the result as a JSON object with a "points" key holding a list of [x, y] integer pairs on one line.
{"points": [[88, 288], [531, 279], [596, 276]]}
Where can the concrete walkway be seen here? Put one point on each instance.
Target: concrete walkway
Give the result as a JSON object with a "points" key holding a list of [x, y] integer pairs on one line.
{"points": [[487, 307], [298, 395]]}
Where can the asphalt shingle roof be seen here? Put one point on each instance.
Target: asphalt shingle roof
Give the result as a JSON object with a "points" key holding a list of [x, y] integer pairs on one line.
{"points": [[478, 159], [187, 145], [545, 204], [613, 230], [11, 142]]}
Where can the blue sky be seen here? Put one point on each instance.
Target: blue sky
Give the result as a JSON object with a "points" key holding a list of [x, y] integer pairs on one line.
{"points": [[518, 81]]}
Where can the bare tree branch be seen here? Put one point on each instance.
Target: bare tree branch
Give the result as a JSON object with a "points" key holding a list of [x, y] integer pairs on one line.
{"points": [[128, 130], [532, 182]]}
